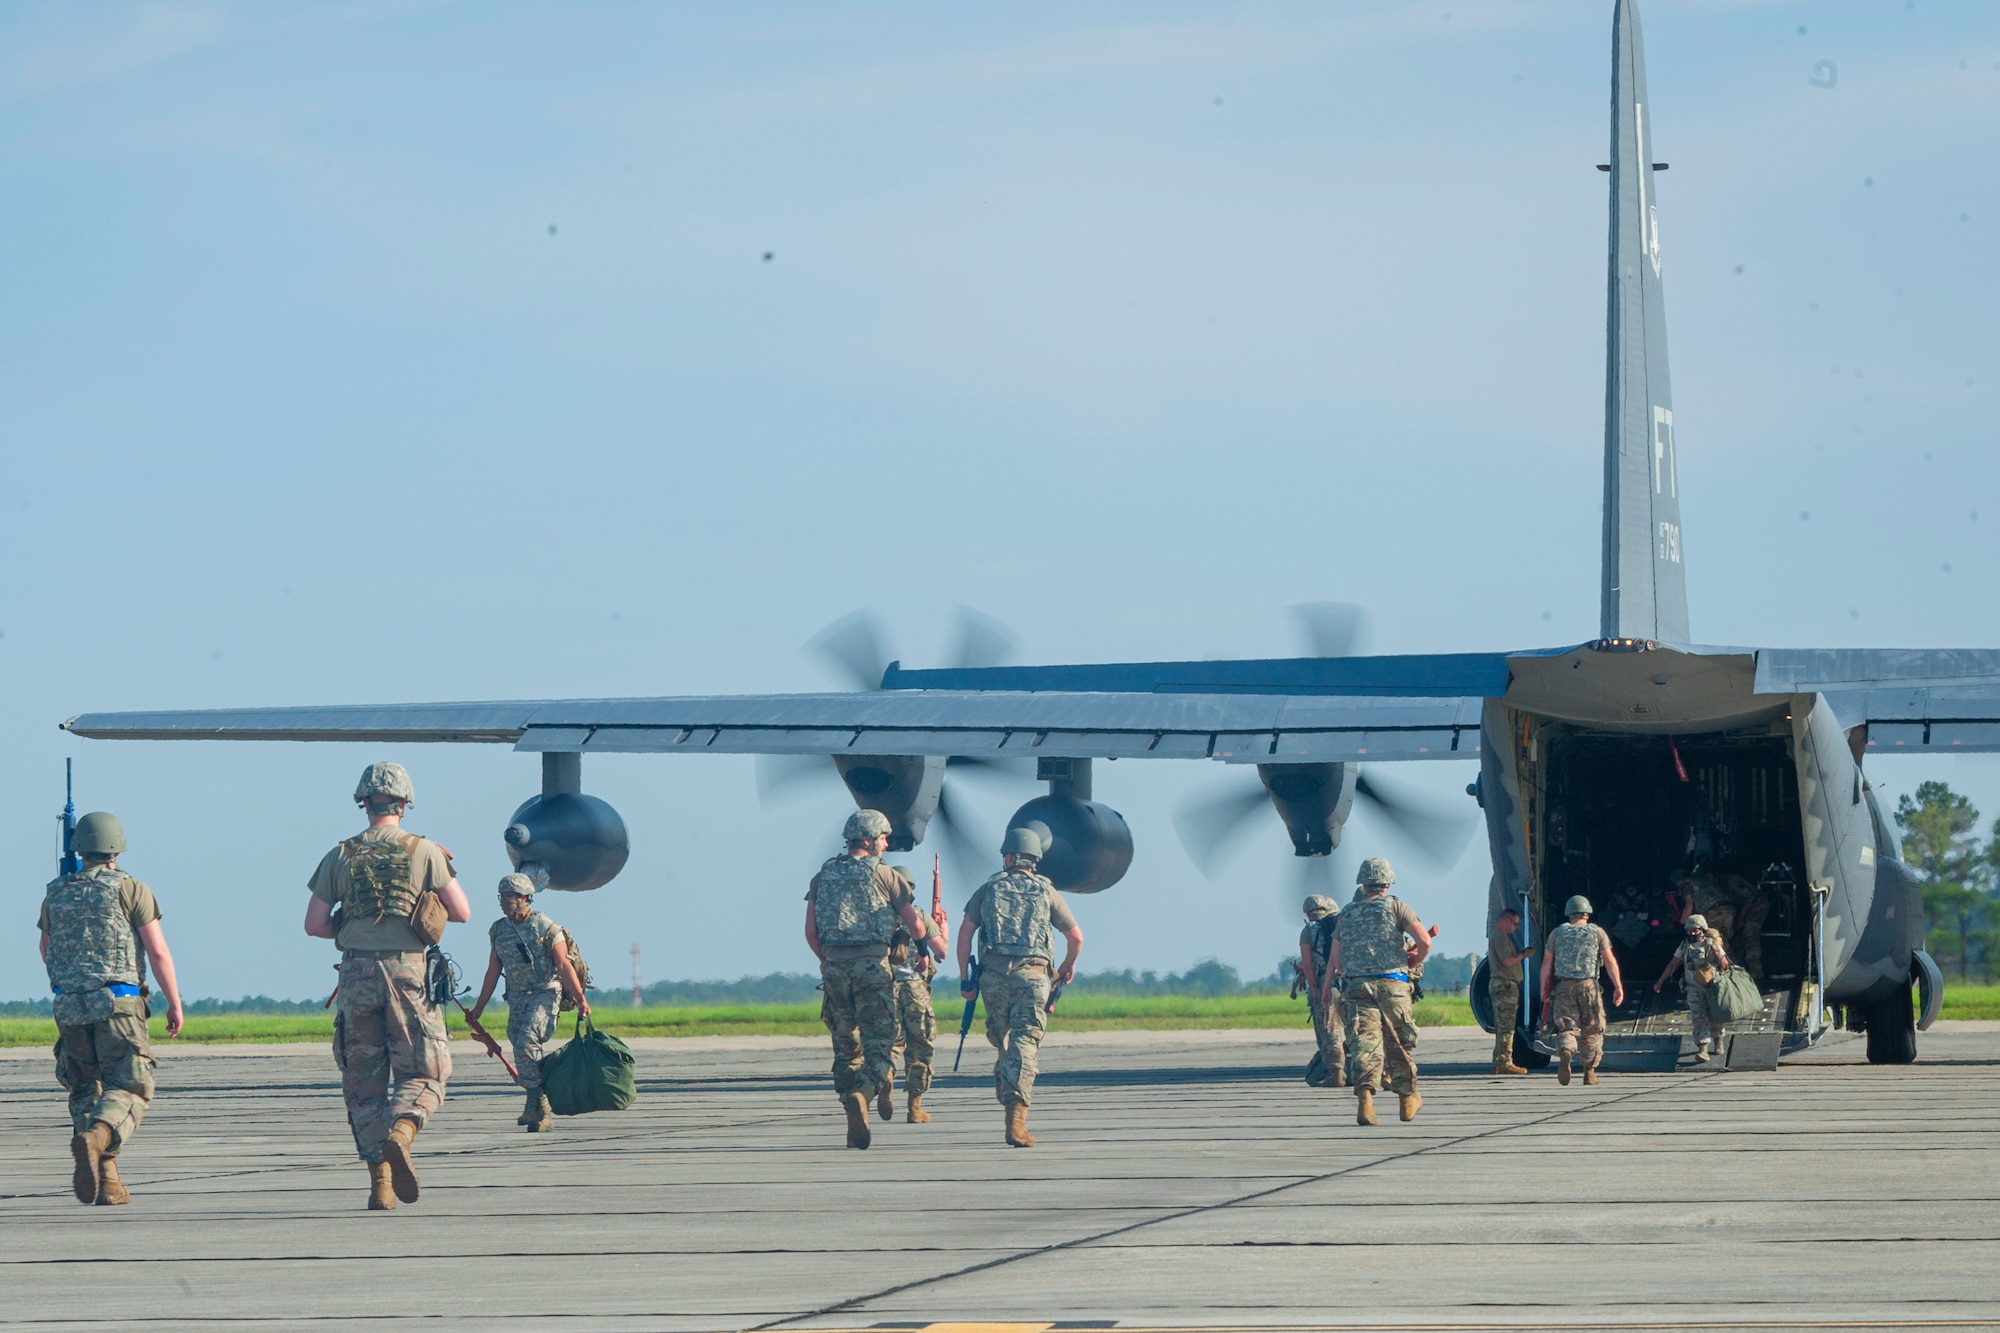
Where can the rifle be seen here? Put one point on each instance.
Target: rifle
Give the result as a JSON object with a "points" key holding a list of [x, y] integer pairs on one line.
{"points": [[937, 910], [69, 864], [484, 1038], [965, 1019]]}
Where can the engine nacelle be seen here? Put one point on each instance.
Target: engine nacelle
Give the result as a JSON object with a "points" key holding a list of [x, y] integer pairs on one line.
{"points": [[1089, 846], [905, 787], [1314, 800], [577, 838]]}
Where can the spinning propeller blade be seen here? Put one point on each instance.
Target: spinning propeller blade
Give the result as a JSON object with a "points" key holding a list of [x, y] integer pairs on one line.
{"points": [[1212, 828], [1330, 629], [1438, 839]]}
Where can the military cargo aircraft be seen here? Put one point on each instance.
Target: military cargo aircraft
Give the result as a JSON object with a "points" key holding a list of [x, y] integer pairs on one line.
{"points": [[1606, 768]]}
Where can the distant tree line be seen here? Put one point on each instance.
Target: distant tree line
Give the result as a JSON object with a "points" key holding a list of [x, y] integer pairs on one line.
{"points": [[1961, 875]]}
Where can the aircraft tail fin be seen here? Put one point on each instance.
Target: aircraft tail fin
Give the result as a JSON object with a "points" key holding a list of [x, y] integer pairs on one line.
{"points": [[1644, 581]]}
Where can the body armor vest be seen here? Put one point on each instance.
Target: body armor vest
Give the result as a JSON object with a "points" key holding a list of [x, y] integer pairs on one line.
{"points": [[1322, 941], [379, 884], [1575, 947], [1014, 920], [848, 907], [1701, 958], [91, 941], [1371, 938], [526, 959]]}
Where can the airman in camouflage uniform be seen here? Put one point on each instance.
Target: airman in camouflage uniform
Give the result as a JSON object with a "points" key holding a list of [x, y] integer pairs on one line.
{"points": [[1700, 956], [916, 1021], [1329, 1025], [1572, 955], [94, 925], [1503, 986], [852, 907], [532, 952], [1370, 954], [1014, 912], [388, 1037]]}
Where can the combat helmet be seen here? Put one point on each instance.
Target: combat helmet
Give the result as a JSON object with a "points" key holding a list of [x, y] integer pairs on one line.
{"points": [[1022, 842], [1577, 906], [98, 834], [864, 825], [1696, 921], [1320, 903], [390, 781], [518, 884], [1375, 872]]}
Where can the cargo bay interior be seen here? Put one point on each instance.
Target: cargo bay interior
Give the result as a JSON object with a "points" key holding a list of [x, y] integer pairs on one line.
{"points": [[1646, 825]]}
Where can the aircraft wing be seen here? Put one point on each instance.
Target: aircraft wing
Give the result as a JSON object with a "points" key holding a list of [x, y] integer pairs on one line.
{"points": [[1247, 727], [1912, 700]]}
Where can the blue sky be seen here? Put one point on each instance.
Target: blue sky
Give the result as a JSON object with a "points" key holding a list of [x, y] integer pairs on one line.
{"points": [[402, 351]]}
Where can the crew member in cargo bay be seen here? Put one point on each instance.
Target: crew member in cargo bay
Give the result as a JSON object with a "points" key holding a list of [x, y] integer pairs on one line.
{"points": [[1377, 942], [1700, 956], [852, 908], [94, 924], [384, 896], [1015, 912], [1572, 956], [533, 953]]}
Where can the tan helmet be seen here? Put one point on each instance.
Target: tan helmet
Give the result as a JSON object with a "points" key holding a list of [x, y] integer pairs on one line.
{"points": [[864, 825], [390, 780], [1696, 921], [1375, 872], [518, 884], [1319, 905], [98, 834]]}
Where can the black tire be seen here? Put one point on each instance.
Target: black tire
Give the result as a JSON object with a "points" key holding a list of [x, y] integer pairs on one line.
{"points": [[1525, 1055], [1892, 1030]]}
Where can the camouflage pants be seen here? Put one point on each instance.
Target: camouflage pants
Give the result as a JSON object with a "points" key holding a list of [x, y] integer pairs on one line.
{"points": [[108, 1069], [917, 1033], [1706, 1026], [531, 1021], [860, 1013], [1016, 995], [1385, 1035], [389, 1041], [1506, 994], [1576, 1017], [1331, 1031]]}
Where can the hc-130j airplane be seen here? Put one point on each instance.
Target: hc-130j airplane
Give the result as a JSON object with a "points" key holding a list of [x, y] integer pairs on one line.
{"points": [[1604, 768]]}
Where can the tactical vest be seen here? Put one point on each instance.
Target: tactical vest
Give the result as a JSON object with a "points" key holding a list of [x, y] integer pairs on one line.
{"points": [[848, 907], [1371, 937], [1322, 941], [526, 958], [1702, 956], [1575, 946], [1014, 919], [91, 941], [380, 886]]}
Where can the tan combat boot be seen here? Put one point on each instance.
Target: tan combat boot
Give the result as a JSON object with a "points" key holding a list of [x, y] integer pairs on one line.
{"points": [[527, 1116], [1590, 1077], [1701, 1052], [1505, 1066], [109, 1188], [88, 1150], [918, 1115], [396, 1153], [856, 1107], [1562, 1070], [381, 1196], [1017, 1126], [1408, 1104], [885, 1101], [1364, 1107], [541, 1118]]}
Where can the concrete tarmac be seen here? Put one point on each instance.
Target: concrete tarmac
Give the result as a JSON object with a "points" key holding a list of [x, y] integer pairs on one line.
{"points": [[1182, 1179]]}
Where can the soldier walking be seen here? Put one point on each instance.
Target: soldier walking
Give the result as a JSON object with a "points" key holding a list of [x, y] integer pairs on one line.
{"points": [[532, 952], [383, 896], [852, 908], [916, 1021], [1700, 956], [1315, 951], [94, 925], [1014, 912], [1504, 979], [1572, 956], [1370, 954]]}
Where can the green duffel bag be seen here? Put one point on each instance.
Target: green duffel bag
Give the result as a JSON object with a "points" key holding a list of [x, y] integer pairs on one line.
{"points": [[1733, 996], [592, 1071]]}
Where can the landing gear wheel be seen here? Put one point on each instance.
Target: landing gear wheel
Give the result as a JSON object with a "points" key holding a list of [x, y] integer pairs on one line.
{"points": [[1525, 1054], [1892, 1030]]}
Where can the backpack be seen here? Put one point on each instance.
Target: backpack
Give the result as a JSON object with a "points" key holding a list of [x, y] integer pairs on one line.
{"points": [[592, 1071], [566, 1004]]}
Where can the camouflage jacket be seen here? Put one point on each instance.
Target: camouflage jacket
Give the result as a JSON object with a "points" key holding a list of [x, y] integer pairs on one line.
{"points": [[527, 954]]}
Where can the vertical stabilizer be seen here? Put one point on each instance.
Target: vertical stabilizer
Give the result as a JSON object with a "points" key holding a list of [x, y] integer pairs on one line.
{"points": [[1645, 586]]}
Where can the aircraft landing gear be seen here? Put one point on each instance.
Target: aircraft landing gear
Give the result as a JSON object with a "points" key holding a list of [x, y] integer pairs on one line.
{"points": [[1892, 1030]]}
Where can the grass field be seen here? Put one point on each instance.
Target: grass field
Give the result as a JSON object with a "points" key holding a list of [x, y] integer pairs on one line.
{"points": [[1077, 1013]]}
